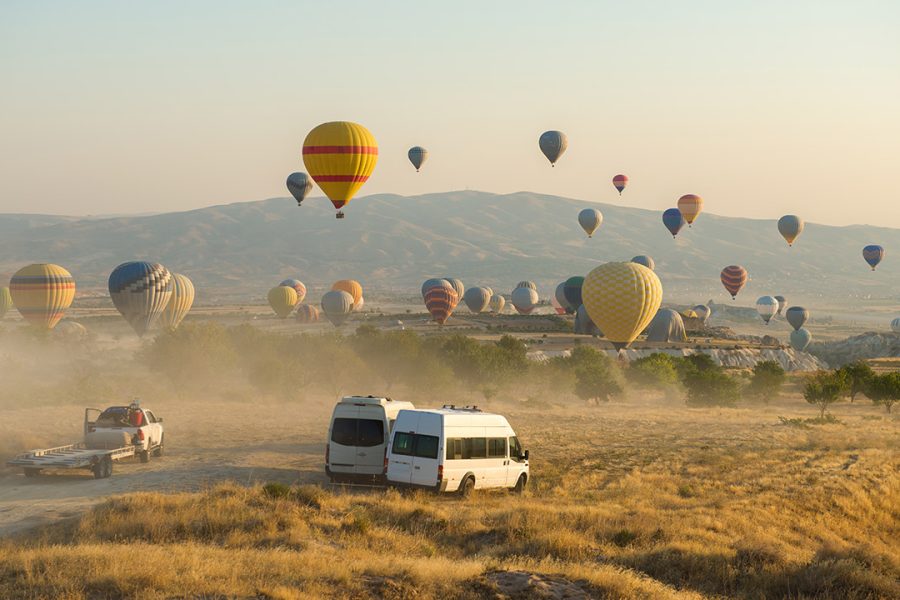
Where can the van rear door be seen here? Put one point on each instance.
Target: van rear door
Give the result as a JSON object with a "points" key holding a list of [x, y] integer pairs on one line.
{"points": [[427, 450], [342, 444], [371, 441]]}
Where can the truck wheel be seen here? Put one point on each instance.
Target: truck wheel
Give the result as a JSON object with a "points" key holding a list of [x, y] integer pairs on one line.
{"points": [[103, 469], [32, 472], [520, 484], [467, 487], [144, 455], [159, 449]]}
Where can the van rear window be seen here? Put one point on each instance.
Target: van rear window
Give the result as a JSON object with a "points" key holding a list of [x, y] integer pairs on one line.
{"points": [[415, 444], [357, 432], [427, 446]]}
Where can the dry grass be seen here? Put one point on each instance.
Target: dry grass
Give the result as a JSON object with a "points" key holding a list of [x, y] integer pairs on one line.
{"points": [[630, 500]]}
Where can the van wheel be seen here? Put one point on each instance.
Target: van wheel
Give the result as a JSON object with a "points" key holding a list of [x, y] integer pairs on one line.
{"points": [[467, 487], [520, 485]]}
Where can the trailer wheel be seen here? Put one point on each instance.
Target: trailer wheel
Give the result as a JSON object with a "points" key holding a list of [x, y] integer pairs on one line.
{"points": [[144, 455], [467, 487], [32, 472], [103, 469]]}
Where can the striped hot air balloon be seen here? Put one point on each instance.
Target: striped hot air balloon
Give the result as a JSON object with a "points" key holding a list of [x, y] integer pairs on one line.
{"points": [[458, 287], [351, 286], [140, 291], [527, 284], [298, 286], [497, 303], [337, 306], [873, 255], [179, 304], [690, 206], [340, 157], [767, 307], [622, 298], [307, 313], [620, 181], [6, 302], [42, 293], [282, 299], [433, 282], [733, 278], [440, 301]]}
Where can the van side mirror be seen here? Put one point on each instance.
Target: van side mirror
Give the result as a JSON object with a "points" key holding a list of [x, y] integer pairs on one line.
{"points": [[524, 456], [159, 420]]}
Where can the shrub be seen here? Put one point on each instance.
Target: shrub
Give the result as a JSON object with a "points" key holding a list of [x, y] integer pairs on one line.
{"points": [[884, 389], [596, 377], [657, 370], [824, 388], [711, 387], [766, 381], [857, 375]]}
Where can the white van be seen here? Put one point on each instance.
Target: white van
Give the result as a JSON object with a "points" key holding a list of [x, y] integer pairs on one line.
{"points": [[455, 450], [358, 437]]}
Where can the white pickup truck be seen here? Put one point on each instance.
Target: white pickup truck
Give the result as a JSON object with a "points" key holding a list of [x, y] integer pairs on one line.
{"points": [[115, 433]]}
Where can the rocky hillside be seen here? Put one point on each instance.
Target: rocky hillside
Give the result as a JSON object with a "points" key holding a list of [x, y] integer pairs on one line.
{"points": [[859, 347]]}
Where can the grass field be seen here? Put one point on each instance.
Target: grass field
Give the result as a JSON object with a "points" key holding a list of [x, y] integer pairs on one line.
{"points": [[638, 498]]}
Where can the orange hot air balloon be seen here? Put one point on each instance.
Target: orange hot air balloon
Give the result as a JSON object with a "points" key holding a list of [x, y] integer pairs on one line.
{"points": [[350, 286], [690, 206], [340, 156], [42, 293]]}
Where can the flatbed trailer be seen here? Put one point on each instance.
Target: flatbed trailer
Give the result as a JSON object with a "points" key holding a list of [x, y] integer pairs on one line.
{"points": [[73, 456]]}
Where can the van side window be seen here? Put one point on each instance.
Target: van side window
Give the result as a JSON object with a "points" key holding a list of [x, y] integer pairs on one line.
{"points": [[515, 448], [403, 444], [496, 447], [454, 448], [477, 447], [426, 446]]}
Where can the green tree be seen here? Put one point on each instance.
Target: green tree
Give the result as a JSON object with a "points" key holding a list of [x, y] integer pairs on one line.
{"points": [[824, 389], [884, 389], [656, 370], [596, 376], [767, 379], [711, 387], [857, 375]]}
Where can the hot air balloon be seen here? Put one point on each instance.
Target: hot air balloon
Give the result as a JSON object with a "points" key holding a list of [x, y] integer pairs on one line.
{"points": [[179, 304], [560, 295], [477, 299], [690, 314], [307, 313], [553, 144], [690, 206], [895, 325], [42, 293], [590, 219], [583, 324], [800, 339], [622, 298], [490, 290], [358, 306], [572, 290], [703, 312], [440, 302], [298, 286], [620, 181], [140, 291], [782, 304], [796, 316], [666, 326], [417, 156], [433, 282], [457, 286], [340, 156], [733, 278], [282, 299], [673, 220], [524, 300], [559, 308], [497, 303], [6, 302], [527, 284], [299, 185], [767, 307], [350, 286], [873, 255], [643, 259], [790, 227], [337, 306]]}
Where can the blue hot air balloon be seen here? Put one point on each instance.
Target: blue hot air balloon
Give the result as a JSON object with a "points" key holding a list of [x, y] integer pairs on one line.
{"points": [[873, 255], [140, 291], [673, 220]]}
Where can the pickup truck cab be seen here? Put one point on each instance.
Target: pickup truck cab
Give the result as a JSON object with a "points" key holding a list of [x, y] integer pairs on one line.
{"points": [[143, 427]]}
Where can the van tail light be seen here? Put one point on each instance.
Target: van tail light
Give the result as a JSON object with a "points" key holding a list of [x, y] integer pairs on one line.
{"points": [[385, 461], [141, 434], [440, 473], [327, 453]]}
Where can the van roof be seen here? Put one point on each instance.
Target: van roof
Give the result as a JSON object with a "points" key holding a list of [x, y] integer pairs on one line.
{"points": [[458, 416], [374, 400]]}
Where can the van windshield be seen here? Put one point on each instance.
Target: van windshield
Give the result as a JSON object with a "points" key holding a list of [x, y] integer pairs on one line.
{"points": [[357, 432]]}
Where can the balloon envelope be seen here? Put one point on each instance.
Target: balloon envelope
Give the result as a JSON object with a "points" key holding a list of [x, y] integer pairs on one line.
{"points": [[477, 299], [457, 286], [573, 290], [497, 303], [703, 312], [590, 219], [583, 324], [673, 220], [417, 156], [340, 156], [800, 339], [298, 286], [440, 302], [282, 299], [307, 313], [622, 298], [733, 278], [790, 226], [42, 293], [527, 284], [6, 302], [620, 181], [299, 185], [782, 304], [767, 307], [179, 304], [796, 316], [141, 291], [553, 144], [524, 300], [643, 259], [434, 282], [560, 295], [690, 206], [873, 255], [337, 306], [351, 286]]}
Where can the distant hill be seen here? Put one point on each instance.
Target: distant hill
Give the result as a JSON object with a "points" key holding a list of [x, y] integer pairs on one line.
{"points": [[391, 243]]}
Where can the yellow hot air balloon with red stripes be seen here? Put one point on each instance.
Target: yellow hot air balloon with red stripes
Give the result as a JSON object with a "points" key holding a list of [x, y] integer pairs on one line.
{"points": [[340, 156], [42, 293]]}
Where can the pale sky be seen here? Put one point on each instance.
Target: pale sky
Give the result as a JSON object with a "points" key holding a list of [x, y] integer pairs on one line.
{"points": [[761, 107]]}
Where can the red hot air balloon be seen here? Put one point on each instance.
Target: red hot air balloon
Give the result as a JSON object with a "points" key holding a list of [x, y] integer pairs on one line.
{"points": [[733, 278], [620, 181], [440, 302]]}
